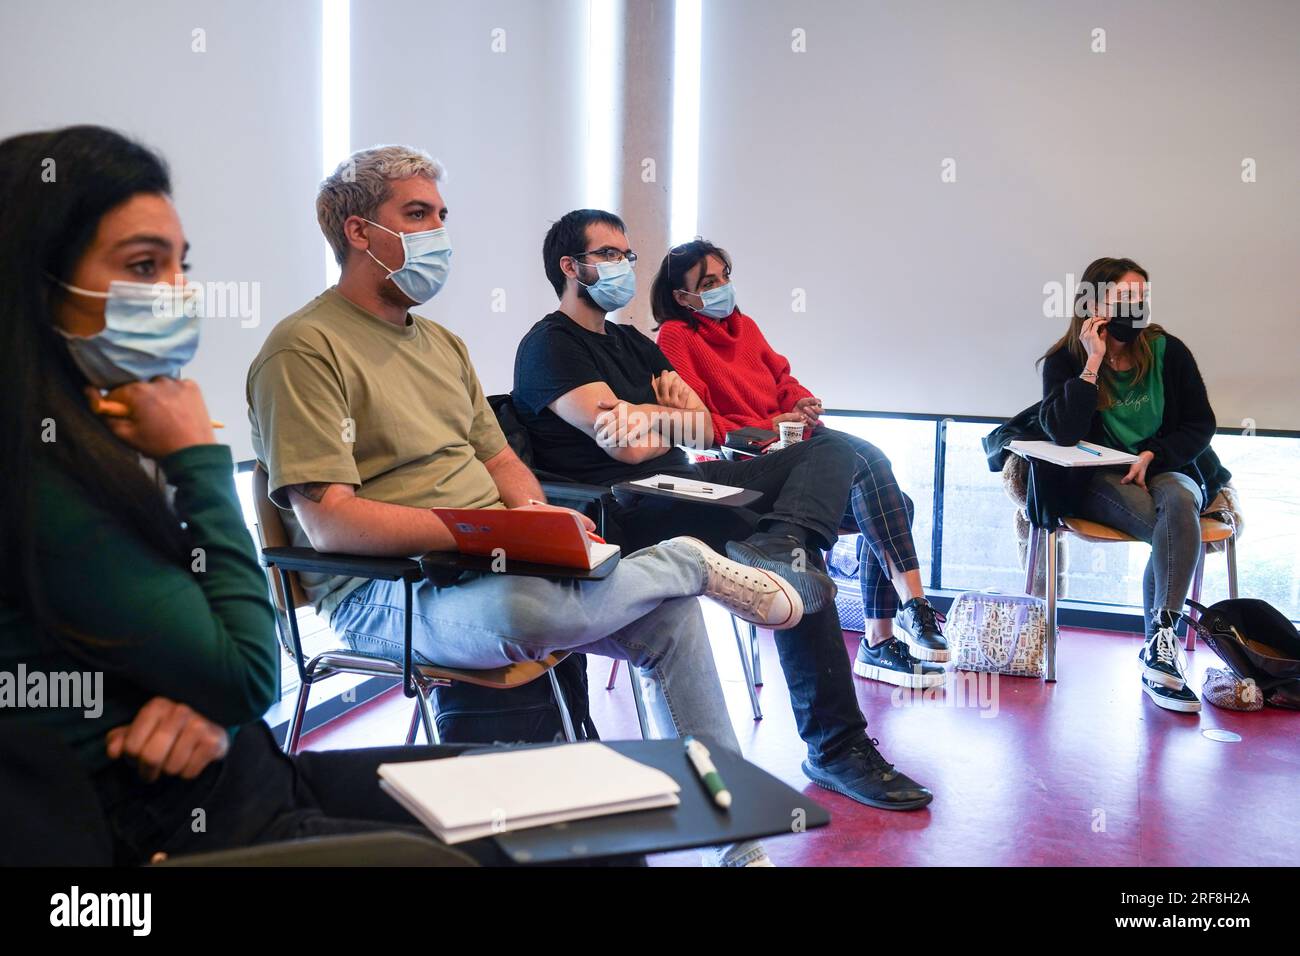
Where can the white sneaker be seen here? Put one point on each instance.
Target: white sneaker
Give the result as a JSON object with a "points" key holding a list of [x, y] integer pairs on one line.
{"points": [[752, 594]]}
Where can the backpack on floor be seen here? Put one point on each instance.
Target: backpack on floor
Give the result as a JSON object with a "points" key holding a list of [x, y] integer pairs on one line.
{"points": [[997, 633], [1258, 644], [468, 714]]}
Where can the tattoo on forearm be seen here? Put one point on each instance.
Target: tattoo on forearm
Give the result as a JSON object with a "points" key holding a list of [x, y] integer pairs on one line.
{"points": [[312, 491]]}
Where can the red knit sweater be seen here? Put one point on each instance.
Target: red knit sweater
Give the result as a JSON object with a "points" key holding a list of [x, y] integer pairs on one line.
{"points": [[738, 376]]}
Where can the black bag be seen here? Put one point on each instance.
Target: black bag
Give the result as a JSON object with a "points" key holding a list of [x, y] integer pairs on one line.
{"points": [[1258, 643], [468, 714]]}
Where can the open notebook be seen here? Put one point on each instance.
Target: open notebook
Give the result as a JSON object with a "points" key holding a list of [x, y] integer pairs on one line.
{"points": [[464, 798], [1083, 455], [704, 490], [543, 537]]}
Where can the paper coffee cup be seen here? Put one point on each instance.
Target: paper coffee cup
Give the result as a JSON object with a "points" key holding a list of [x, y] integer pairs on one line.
{"points": [[791, 432]]}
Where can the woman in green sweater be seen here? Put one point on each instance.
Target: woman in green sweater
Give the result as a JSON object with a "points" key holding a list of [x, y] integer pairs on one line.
{"points": [[153, 610]]}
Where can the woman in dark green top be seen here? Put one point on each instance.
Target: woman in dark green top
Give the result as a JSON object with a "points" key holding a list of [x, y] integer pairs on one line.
{"points": [[135, 627], [1116, 380]]}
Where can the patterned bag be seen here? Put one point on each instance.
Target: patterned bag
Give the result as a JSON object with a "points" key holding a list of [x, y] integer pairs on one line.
{"points": [[998, 633]]}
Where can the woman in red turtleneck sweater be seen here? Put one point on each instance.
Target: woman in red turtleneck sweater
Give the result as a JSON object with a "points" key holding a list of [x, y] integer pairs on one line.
{"points": [[720, 352]]}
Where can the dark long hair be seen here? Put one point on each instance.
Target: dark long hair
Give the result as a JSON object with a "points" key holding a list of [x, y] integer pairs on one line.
{"points": [[672, 273], [55, 187], [1100, 274]]}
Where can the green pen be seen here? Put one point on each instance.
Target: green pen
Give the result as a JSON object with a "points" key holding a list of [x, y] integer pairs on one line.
{"points": [[698, 754]]}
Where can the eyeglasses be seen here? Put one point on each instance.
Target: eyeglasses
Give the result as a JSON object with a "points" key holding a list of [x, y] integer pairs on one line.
{"points": [[607, 254]]}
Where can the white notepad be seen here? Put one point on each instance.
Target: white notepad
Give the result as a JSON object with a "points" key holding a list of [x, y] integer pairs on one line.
{"points": [[1071, 456], [463, 798], [704, 490]]}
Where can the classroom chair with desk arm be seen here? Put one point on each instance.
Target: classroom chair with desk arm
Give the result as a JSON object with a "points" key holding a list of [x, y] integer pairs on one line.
{"points": [[284, 564], [1048, 487]]}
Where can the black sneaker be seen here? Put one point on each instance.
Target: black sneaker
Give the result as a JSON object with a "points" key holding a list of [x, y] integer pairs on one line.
{"points": [[919, 623], [890, 662], [1161, 656], [864, 775], [1183, 700], [778, 553]]}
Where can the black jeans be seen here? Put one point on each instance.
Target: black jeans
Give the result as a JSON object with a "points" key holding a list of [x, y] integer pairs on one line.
{"points": [[259, 795], [808, 485]]}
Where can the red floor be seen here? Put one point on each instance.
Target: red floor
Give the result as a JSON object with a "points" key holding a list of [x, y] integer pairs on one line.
{"points": [[1086, 771]]}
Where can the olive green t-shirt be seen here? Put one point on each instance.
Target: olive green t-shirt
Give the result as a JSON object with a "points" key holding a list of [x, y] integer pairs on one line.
{"points": [[1139, 408], [338, 395]]}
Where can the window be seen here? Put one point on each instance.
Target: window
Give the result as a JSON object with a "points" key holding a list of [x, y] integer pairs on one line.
{"points": [[909, 445], [979, 518]]}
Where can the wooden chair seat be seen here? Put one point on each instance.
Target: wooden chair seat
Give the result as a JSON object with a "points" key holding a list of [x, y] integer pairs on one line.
{"points": [[1212, 529]]}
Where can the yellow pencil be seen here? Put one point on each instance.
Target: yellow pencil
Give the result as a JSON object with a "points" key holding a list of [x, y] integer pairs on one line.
{"points": [[119, 410]]}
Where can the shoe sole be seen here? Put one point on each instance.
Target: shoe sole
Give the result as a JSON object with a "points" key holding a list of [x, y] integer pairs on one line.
{"points": [[815, 595], [878, 804], [792, 619], [1163, 679], [1178, 706], [922, 653], [887, 675]]}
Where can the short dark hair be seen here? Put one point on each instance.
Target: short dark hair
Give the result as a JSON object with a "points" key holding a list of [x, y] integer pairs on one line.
{"points": [[568, 237], [672, 273]]}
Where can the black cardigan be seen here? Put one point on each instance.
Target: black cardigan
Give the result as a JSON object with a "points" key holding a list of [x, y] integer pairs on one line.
{"points": [[1069, 414]]}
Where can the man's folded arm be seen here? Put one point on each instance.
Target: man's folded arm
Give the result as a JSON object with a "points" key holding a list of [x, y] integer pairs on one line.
{"points": [[582, 406], [337, 520]]}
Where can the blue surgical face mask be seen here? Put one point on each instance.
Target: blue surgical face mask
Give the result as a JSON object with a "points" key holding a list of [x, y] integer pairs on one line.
{"points": [[426, 265], [717, 303], [614, 287], [150, 329]]}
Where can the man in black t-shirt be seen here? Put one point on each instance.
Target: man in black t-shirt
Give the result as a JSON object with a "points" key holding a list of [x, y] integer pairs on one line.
{"points": [[602, 404]]}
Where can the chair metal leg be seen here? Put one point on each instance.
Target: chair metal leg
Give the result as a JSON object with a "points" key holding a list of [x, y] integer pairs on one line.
{"points": [[560, 702], [1050, 585], [758, 658], [1198, 579], [641, 717], [1231, 552], [294, 733], [1031, 558], [425, 711], [746, 666], [414, 727], [613, 674]]}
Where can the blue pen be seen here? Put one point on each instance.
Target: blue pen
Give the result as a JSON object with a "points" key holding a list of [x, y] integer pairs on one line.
{"points": [[1091, 451]]}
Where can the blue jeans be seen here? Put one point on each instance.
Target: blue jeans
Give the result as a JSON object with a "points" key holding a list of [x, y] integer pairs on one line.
{"points": [[1167, 516], [645, 613]]}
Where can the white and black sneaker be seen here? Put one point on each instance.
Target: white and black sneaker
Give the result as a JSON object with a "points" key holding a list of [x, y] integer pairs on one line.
{"points": [[891, 663], [918, 625], [1183, 700], [1162, 658]]}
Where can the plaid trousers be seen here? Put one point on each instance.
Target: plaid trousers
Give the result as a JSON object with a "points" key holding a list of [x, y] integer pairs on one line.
{"points": [[883, 513]]}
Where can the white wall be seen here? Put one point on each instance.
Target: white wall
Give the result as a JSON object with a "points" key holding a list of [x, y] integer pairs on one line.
{"points": [[821, 171], [510, 128], [239, 125]]}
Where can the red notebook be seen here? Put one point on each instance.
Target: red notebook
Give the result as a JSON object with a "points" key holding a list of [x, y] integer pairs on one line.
{"points": [[539, 537]]}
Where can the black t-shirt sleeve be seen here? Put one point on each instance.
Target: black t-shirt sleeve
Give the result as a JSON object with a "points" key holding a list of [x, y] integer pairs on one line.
{"points": [[550, 363], [654, 356]]}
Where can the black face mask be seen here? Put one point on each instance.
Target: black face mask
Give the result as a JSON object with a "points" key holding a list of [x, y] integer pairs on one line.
{"points": [[1121, 325]]}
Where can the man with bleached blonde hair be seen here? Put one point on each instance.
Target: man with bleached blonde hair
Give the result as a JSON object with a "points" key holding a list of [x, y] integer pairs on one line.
{"points": [[366, 417]]}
